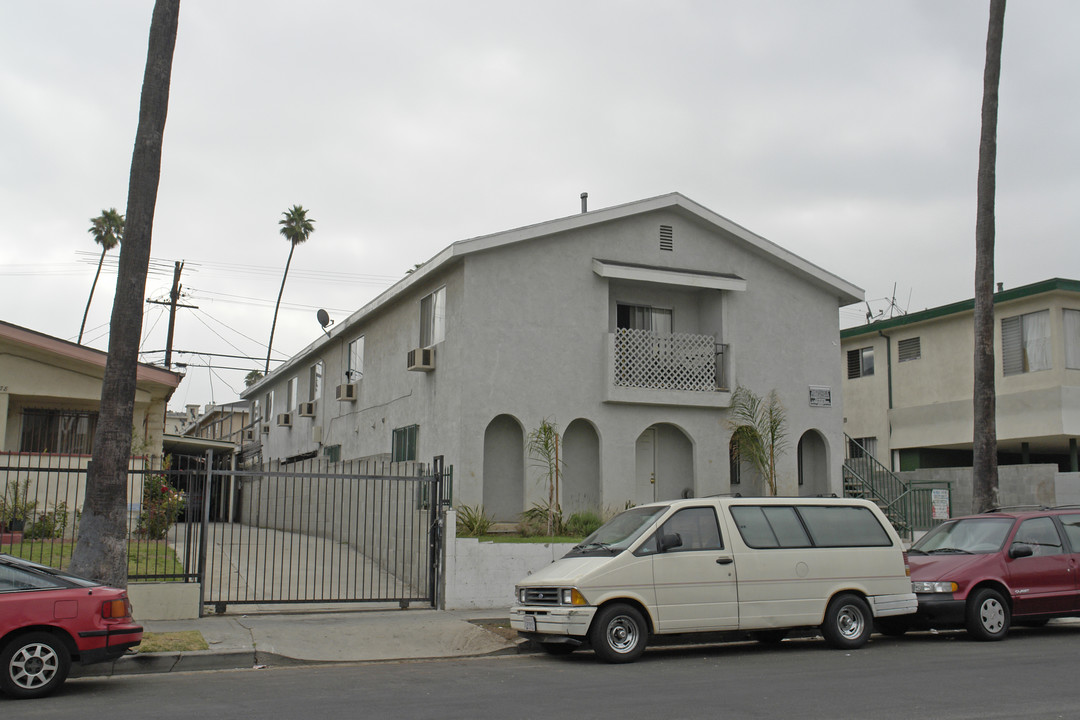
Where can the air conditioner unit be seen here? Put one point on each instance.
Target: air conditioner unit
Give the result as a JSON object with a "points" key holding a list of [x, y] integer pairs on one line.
{"points": [[307, 409], [265, 429], [249, 434], [346, 392], [284, 420], [422, 359]]}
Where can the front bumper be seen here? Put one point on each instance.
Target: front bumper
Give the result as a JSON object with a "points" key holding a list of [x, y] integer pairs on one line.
{"points": [[537, 621], [940, 610]]}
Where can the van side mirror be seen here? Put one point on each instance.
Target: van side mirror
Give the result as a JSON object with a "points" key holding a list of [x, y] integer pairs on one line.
{"points": [[1019, 550], [669, 541]]}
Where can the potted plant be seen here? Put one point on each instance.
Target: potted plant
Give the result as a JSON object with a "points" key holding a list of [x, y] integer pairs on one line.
{"points": [[16, 507]]}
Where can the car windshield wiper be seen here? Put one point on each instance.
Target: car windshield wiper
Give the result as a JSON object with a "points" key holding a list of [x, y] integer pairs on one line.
{"points": [[951, 550], [598, 545]]}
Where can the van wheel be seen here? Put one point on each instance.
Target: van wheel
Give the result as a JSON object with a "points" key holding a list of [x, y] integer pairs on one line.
{"points": [[987, 615], [847, 623], [618, 634]]}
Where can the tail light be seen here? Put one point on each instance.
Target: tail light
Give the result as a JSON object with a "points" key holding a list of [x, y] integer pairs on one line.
{"points": [[116, 609], [907, 568]]}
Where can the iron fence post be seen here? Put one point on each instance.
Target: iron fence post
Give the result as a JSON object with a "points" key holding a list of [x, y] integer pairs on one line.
{"points": [[204, 531]]}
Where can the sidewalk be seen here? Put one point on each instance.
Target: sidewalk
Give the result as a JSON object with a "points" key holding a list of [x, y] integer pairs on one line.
{"points": [[290, 636]]}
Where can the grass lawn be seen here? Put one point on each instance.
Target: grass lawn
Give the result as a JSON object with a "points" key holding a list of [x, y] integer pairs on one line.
{"points": [[183, 641], [509, 538], [145, 557]]}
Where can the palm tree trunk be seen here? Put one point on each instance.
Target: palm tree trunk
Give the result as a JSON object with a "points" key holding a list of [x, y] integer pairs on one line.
{"points": [[273, 325], [101, 551], [984, 443], [91, 298]]}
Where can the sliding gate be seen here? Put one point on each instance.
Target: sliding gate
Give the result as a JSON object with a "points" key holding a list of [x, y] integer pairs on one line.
{"points": [[314, 532]]}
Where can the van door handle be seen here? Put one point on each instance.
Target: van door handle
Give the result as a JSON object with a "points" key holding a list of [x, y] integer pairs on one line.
{"points": [[724, 561]]}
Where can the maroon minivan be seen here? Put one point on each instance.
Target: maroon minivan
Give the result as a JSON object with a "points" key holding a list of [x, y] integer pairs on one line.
{"points": [[984, 572]]}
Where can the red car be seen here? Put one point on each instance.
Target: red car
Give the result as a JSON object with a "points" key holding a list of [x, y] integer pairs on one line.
{"points": [[986, 572], [50, 619]]}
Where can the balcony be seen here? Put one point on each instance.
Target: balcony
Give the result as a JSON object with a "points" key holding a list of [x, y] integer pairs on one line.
{"points": [[678, 369]]}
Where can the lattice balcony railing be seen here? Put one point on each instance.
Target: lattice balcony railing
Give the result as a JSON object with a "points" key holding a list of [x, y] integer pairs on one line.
{"points": [[668, 362]]}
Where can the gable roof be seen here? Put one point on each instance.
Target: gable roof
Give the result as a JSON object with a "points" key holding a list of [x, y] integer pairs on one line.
{"points": [[845, 292]]}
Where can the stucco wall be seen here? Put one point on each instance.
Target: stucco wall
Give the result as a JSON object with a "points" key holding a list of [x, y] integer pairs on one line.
{"points": [[1017, 485]]}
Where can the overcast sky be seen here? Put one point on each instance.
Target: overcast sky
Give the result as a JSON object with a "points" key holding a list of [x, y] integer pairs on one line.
{"points": [[845, 131]]}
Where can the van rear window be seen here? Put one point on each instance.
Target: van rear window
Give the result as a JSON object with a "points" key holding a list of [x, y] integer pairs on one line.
{"points": [[795, 526]]}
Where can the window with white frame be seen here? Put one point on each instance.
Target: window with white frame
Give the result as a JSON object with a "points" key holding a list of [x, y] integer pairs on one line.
{"points": [[433, 318], [1025, 343], [315, 375], [860, 363], [355, 369], [290, 394], [1072, 339]]}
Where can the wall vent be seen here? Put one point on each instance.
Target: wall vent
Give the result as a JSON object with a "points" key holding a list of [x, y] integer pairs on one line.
{"points": [[667, 238]]}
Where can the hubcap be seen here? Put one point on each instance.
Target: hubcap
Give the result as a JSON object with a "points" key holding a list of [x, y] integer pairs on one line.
{"points": [[992, 615], [622, 634], [850, 622], [33, 666]]}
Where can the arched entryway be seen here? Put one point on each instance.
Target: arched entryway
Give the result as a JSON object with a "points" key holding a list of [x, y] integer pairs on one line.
{"points": [[581, 468], [813, 458], [664, 463], [504, 469]]}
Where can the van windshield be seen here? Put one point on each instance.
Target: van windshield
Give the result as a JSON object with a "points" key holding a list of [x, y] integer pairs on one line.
{"points": [[969, 536], [618, 533]]}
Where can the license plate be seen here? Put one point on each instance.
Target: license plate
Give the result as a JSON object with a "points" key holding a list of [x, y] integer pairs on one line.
{"points": [[530, 623]]}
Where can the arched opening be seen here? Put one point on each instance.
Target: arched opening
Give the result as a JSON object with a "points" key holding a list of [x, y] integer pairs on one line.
{"points": [[581, 468], [664, 463], [813, 458], [504, 469]]}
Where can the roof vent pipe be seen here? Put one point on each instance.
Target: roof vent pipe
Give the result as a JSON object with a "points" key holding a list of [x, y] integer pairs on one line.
{"points": [[584, 202], [1000, 287]]}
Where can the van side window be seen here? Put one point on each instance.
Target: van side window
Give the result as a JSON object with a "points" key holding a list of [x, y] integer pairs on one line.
{"points": [[843, 526], [1071, 523], [1041, 535], [696, 526], [770, 526]]}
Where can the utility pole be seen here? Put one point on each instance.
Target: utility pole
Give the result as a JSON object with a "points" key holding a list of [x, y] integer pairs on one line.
{"points": [[174, 297]]}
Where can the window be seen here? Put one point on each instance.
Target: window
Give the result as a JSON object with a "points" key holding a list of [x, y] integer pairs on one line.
{"points": [[909, 349], [1072, 339], [404, 443], [770, 526], [860, 363], [58, 431], [734, 461], [696, 527], [1041, 535], [643, 317], [290, 394], [355, 369], [315, 374], [1071, 524], [843, 526], [862, 447], [1025, 343], [433, 318], [268, 406]]}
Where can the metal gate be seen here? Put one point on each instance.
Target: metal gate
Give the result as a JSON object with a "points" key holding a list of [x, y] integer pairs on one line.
{"points": [[319, 532]]}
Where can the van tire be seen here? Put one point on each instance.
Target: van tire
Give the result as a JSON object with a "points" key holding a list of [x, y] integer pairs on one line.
{"points": [[618, 633], [988, 615], [848, 622]]}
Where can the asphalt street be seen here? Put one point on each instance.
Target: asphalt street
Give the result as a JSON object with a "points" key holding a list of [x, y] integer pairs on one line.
{"points": [[946, 675]]}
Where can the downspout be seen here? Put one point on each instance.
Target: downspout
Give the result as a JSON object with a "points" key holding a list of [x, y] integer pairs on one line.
{"points": [[888, 372]]}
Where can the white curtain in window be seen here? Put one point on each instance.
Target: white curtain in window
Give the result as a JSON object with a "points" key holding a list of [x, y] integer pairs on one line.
{"points": [[1037, 340], [1072, 339]]}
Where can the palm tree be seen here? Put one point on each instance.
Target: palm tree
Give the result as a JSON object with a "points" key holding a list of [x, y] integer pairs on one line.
{"points": [[252, 377], [107, 230], [296, 228], [984, 443], [759, 428], [101, 552]]}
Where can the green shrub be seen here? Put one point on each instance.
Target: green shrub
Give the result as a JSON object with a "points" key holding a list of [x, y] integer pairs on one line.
{"points": [[584, 523], [542, 519], [472, 521], [49, 525], [161, 506]]}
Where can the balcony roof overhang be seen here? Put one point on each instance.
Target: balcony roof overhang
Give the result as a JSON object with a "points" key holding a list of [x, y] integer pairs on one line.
{"points": [[668, 276]]}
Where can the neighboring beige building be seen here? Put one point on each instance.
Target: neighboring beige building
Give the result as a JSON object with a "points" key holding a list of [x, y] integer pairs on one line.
{"points": [[50, 391], [908, 381], [219, 422]]}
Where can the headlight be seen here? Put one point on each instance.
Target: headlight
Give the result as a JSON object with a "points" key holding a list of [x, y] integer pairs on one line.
{"points": [[520, 594], [572, 596], [934, 587]]}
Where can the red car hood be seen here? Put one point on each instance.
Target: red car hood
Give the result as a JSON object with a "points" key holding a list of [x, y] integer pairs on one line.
{"points": [[928, 568]]}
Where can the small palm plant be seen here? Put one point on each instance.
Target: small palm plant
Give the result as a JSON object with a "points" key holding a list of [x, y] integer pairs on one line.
{"points": [[543, 449], [759, 428]]}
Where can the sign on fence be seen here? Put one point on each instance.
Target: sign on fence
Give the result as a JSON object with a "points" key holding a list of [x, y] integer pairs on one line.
{"points": [[939, 503]]}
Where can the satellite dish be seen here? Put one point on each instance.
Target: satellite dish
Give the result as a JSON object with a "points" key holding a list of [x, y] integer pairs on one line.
{"points": [[324, 317]]}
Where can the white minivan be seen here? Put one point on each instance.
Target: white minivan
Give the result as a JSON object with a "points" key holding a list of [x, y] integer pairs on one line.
{"points": [[764, 565]]}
